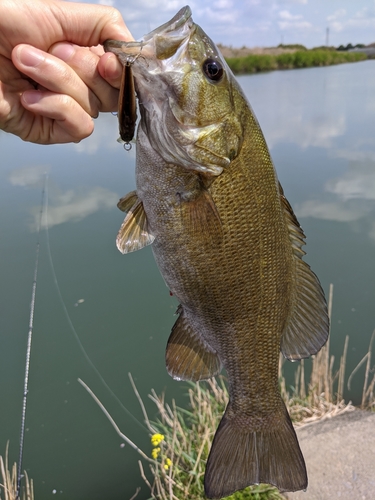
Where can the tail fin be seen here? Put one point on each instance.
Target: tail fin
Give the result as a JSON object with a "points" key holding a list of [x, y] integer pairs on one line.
{"points": [[240, 457]]}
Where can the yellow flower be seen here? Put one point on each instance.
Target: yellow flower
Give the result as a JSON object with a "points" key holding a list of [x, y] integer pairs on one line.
{"points": [[155, 453], [168, 463], [156, 439]]}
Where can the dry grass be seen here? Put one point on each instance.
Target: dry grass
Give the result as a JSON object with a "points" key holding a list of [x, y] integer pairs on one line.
{"points": [[368, 392], [8, 486]]}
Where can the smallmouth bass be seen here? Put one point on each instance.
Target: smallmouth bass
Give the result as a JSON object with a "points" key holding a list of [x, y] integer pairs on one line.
{"points": [[228, 245]]}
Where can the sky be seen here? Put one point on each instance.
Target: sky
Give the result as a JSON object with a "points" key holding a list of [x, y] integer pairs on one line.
{"points": [[261, 23]]}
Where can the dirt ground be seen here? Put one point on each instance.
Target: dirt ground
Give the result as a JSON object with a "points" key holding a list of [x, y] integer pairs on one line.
{"points": [[340, 458]]}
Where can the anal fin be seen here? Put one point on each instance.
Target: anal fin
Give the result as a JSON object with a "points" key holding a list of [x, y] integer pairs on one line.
{"points": [[134, 233], [188, 356]]}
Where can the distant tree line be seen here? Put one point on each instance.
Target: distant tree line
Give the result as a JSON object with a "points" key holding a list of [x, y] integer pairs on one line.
{"points": [[350, 46]]}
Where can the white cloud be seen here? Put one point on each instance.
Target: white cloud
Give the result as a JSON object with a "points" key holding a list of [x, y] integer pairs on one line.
{"points": [[336, 15], [258, 22], [298, 25], [336, 26], [362, 19], [286, 15], [290, 21]]}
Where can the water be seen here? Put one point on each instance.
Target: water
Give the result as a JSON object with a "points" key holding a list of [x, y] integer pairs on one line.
{"points": [[320, 126]]}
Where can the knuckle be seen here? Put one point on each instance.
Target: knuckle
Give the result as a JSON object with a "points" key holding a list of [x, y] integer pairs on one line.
{"points": [[115, 14]]}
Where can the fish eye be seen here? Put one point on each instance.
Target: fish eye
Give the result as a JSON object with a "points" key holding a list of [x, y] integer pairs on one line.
{"points": [[213, 69]]}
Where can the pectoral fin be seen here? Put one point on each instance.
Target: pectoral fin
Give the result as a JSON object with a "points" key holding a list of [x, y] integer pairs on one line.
{"points": [[134, 233], [307, 328], [188, 356], [203, 218], [126, 203]]}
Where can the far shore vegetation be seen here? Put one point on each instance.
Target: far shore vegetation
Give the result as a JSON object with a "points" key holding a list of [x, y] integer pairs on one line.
{"points": [[288, 57]]}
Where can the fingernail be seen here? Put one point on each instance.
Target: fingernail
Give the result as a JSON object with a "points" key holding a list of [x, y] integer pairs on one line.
{"points": [[31, 96], [30, 56], [63, 51]]}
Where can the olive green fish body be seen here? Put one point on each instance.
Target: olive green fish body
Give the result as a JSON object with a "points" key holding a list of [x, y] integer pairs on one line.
{"points": [[229, 248]]}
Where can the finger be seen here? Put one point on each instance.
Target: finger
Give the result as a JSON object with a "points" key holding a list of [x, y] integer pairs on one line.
{"points": [[54, 75], [12, 84], [84, 62], [58, 118], [101, 22], [110, 69]]}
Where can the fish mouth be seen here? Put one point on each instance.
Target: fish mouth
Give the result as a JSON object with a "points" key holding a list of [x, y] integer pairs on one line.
{"points": [[161, 43]]}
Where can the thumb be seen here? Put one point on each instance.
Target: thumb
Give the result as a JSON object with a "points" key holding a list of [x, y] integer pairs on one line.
{"points": [[88, 24]]}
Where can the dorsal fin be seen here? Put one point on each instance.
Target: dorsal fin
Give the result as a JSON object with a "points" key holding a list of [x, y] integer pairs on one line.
{"points": [[307, 328], [188, 356], [133, 234]]}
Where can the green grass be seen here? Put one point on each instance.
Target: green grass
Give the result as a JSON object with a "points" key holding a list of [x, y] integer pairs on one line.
{"points": [[289, 60]]}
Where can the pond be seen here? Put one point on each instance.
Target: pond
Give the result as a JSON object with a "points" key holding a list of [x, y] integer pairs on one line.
{"points": [[320, 126]]}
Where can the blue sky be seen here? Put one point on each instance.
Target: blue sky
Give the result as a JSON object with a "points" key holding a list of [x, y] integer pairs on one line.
{"points": [[261, 23]]}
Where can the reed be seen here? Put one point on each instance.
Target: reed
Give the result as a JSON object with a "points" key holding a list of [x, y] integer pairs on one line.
{"points": [[368, 391], [8, 486]]}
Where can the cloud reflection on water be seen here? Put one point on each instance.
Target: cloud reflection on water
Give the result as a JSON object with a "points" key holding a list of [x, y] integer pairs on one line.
{"points": [[74, 206], [314, 131], [358, 182], [347, 198], [104, 136], [63, 206], [32, 176]]}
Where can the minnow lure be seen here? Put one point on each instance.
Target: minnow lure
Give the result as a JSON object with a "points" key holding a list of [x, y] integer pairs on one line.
{"points": [[127, 109]]}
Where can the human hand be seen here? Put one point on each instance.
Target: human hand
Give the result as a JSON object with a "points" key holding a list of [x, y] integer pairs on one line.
{"points": [[50, 85]]}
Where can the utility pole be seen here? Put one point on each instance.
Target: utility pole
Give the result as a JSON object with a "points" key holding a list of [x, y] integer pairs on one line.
{"points": [[327, 37]]}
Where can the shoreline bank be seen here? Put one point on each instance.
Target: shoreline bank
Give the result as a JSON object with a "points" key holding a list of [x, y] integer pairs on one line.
{"points": [[340, 457]]}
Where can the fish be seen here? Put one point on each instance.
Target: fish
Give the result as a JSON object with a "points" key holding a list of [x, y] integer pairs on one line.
{"points": [[228, 246]]}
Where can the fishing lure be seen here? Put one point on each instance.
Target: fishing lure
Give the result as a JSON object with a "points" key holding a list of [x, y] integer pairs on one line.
{"points": [[127, 112]]}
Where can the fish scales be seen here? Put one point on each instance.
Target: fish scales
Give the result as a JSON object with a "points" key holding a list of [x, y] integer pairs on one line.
{"points": [[228, 246]]}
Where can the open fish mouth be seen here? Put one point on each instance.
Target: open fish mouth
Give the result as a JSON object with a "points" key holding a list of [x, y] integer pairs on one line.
{"points": [[161, 43]]}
